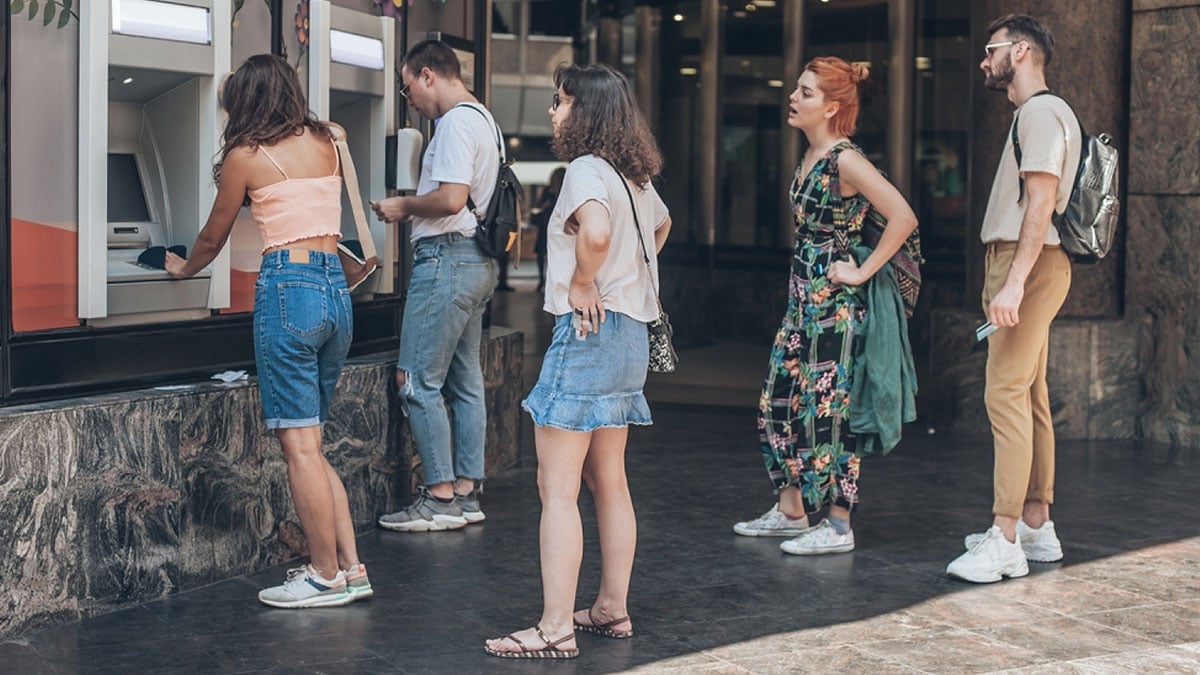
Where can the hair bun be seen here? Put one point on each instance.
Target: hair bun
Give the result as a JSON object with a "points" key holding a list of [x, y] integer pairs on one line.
{"points": [[861, 72]]}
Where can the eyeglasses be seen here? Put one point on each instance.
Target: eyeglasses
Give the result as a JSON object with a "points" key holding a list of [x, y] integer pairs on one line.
{"points": [[404, 90], [987, 49], [554, 102]]}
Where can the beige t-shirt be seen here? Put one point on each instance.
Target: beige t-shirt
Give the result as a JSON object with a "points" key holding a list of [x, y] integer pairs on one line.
{"points": [[1050, 143], [623, 279]]}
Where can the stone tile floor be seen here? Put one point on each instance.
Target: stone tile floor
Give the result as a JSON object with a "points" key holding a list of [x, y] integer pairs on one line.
{"points": [[1125, 599]]}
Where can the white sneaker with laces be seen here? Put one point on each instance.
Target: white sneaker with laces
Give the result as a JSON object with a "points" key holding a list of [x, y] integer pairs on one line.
{"points": [[823, 538], [990, 559], [1041, 545], [305, 588], [773, 523]]}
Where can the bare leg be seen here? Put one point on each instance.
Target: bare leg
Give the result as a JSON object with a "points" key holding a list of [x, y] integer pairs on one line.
{"points": [[561, 455], [1035, 513], [791, 503], [604, 472], [312, 495], [1007, 525], [347, 546]]}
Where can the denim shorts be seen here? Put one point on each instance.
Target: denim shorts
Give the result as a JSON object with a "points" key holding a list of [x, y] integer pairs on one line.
{"points": [[303, 323], [594, 382]]}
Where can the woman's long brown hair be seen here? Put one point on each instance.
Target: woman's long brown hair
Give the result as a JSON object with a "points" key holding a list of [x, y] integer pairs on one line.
{"points": [[605, 122], [265, 105]]}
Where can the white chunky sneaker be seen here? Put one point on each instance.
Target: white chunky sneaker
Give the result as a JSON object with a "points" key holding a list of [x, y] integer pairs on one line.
{"points": [[990, 559], [772, 524], [823, 538], [1040, 545]]}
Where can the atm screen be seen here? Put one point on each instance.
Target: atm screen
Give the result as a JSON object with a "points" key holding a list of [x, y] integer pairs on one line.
{"points": [[126, 199]]}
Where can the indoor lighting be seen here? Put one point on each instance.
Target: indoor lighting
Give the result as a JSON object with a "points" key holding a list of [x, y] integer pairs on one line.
{"points": [[764, 3], [688, 70], [161, 20], [678, 17], [751, 7], [128, 80], [924, 63], [355, 50], [778, 84]]}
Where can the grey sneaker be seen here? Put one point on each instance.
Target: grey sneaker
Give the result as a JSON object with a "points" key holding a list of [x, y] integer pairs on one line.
{"points": [[1040, 545], [426, 514], [469, 503]]}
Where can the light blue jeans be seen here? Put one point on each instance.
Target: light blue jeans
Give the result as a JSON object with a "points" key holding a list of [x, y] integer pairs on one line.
{"points": [[452, 281]]}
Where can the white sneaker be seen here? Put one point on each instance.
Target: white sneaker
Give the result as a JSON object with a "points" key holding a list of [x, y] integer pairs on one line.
{"points": [[823, 538], [305, 588], [772, 524], [990, 559], [1040, 545]]}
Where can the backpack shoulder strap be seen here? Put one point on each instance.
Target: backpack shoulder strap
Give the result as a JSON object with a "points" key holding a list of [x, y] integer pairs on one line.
{"points": [[499, 140], [499, 146], [1016, 140]]}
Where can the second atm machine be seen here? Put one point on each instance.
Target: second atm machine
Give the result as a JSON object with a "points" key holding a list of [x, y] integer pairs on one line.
{"points": [[149, 127], [351, 81]]}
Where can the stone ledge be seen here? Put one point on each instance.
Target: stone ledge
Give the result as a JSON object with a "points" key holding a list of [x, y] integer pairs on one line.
{"points": [[117, 499]]}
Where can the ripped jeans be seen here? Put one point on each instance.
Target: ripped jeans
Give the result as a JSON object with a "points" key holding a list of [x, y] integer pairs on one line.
{"points": [[452, 281]]}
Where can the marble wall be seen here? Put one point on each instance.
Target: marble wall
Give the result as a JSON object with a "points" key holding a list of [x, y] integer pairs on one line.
{"points": [[1164, 232], [117, 499]]}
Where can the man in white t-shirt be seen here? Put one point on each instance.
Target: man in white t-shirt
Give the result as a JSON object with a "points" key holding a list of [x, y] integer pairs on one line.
{"points": [[1026, 279], [452, 281]]}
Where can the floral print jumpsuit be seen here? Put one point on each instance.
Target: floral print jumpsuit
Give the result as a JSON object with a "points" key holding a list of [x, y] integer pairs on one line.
{"points": [[802, 414]]}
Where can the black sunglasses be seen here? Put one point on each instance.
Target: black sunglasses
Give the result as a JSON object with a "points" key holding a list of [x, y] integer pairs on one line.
{"points": [[554, 102], [404, 90]]}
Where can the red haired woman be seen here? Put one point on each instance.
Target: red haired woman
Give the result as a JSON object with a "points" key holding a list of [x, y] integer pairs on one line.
{"points": [[803, 419]]}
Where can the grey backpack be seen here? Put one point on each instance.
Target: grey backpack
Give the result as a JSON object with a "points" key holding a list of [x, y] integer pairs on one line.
{"points": [[1088, 226]]}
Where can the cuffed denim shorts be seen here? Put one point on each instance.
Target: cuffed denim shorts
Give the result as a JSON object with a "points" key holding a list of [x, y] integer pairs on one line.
{"points": [[303, 323], [593, 382]]}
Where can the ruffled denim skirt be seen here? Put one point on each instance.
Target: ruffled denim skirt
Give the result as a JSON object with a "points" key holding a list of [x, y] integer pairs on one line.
{"points": [[595, 382]]}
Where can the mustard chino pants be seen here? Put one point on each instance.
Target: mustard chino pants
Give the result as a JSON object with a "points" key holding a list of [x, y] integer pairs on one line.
{"points": [[1016, 395]]}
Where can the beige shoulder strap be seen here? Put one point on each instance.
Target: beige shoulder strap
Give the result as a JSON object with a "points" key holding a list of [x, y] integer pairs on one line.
{"points": [[351, 179]]}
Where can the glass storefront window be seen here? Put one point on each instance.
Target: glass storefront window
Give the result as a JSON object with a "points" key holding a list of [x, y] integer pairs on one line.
{"points": [[752, 73], [679, 114], [944, 65], [857, 33]]}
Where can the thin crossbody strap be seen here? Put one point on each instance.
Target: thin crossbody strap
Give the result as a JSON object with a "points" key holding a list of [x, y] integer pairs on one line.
{"points": [[637, 224], [351, 180]]}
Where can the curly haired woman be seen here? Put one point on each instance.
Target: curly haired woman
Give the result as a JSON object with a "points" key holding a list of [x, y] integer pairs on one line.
{"points": [[601, 289]]}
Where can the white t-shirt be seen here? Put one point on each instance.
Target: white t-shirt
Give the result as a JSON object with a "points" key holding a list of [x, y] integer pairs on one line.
{"points": [[623, 279], [463, 150], [1050, 143]]}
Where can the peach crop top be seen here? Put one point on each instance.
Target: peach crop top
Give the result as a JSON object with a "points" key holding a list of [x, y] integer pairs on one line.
{"points": [[297, 208]]}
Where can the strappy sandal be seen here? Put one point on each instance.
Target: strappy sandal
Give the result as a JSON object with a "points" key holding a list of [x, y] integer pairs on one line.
{"points": [[550, 651], [605, 629]]}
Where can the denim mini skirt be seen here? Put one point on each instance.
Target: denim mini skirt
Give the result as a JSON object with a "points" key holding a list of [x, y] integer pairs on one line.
{"points": [[594, 382]]}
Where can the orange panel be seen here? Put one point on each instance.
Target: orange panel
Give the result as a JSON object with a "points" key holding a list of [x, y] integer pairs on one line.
{"points": [[45, 269], [241, 291]]}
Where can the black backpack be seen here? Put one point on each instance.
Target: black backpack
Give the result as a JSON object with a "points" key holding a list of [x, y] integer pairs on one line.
{"points": [[500, 225], [1088, 226]]}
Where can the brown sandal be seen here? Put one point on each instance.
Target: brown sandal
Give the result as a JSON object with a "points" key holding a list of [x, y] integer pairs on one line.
{"points": [[550, 651], [605, 629]]}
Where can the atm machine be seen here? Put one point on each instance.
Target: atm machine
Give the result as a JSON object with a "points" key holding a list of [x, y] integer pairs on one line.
{"points": [[149, 128], [351, 81]]}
